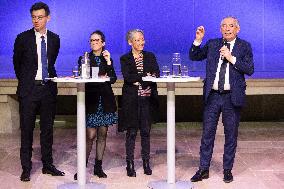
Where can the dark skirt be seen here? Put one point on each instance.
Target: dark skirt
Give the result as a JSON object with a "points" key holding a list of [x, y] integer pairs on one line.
{"points": [[100, 118]]}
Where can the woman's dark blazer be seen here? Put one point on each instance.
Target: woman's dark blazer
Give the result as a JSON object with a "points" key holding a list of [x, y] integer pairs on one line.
{"points": [[95, 90], [128, 116]]}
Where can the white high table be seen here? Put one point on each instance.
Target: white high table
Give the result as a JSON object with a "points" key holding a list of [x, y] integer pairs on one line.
{"points": [[171, 182], [81, 134]]}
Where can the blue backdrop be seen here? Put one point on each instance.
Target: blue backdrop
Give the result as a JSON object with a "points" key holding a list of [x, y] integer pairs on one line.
{"points": [[169, 27]]}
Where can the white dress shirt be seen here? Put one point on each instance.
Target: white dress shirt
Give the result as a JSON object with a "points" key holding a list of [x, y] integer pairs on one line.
{"points": [[227, 81], [38, 45]]}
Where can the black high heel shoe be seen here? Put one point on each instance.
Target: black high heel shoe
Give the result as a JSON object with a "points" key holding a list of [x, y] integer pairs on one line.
{"points": [[130, 169], [146, 167], [98, 170]]}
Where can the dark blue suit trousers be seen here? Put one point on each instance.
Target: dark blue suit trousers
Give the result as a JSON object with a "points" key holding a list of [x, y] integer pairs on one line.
{"points": [[216, 104]]}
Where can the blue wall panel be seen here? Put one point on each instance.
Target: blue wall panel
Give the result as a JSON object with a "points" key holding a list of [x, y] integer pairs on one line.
{"points": [[169, 27], [274, 37]]}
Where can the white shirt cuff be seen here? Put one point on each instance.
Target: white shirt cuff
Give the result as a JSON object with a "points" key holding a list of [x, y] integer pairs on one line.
{"points": [[234, 59], [196, 43]]}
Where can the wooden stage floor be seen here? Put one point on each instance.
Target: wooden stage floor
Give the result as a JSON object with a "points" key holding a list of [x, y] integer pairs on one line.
{"points": [[259, 162]]}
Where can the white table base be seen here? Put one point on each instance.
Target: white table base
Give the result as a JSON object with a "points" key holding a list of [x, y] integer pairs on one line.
{"points": [[171, 183], [86, 186], [163, 184]]}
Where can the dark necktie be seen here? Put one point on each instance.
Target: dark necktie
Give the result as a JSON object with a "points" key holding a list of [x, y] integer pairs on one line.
{"points": [[223, 72], [44, 59]]}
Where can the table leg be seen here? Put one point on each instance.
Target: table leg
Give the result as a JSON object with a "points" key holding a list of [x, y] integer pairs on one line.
{"points": [[81, 135], [81, 145], [171, 183], [171, 132]]}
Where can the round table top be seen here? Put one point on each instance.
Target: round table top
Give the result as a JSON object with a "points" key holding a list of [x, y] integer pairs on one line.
{"points": [[170, 79], [79, 80]]}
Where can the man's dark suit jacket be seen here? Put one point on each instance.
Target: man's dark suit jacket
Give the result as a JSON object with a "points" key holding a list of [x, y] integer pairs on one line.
{"points": [[244, 65], [25, 60]]}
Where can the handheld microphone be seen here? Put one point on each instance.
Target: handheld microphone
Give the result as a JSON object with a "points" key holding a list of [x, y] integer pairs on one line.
{"points": [[225, 42]]}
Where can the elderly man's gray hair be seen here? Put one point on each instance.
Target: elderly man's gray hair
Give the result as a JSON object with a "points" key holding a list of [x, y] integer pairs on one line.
{"points": [[236, 20]]}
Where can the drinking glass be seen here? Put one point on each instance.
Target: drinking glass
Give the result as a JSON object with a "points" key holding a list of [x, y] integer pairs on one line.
{"points": [[165, 71], [95, 72], [184, 71], [75, 72]]}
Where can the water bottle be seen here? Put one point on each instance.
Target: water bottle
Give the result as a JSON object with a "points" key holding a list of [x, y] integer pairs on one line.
{"points": [[176, 65], [85, 66]]}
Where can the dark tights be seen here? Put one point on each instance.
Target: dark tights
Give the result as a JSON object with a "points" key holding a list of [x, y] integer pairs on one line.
{"points": [[101, 134]]}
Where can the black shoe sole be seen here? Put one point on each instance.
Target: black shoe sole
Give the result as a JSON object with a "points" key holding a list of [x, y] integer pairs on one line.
{"points": [[47, 172], [148, 173], [131, 175], [100, 176], [25, 179], [206, 177], [228, 181], [51, 173]]}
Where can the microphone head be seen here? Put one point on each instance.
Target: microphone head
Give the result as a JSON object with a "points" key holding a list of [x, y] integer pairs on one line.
{"points": [[225, 42]]}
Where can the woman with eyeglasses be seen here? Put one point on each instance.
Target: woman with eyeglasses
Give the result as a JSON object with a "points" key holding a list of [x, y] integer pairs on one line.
{"points": [[100, 101], [138, 98]]}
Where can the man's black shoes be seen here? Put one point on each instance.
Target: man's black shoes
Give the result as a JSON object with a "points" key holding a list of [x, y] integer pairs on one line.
{"points": [[50, 169], [228, 177], [25, 176], [200, 175]]}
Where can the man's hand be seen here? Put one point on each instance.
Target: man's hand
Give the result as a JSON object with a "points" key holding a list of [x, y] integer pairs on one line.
{"points": [[200, 31], [225, 52]]}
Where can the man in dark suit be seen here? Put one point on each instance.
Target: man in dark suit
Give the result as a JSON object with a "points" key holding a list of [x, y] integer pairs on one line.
{"points": [[228, 59], [35, 53]]}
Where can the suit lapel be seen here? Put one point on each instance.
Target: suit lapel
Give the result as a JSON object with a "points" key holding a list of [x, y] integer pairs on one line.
{"points": [[49, 45], [217, 55], [235, 51], [236, 47], [33, 45]]}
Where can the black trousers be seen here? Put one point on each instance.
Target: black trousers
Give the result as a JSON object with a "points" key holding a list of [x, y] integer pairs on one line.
{"points": [[144, 126], [40, 100]]}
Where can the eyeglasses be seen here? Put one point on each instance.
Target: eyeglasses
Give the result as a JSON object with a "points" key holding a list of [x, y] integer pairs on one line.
{"points": [[95, 40], [139, 40], [37, 17], [228, 26]]}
